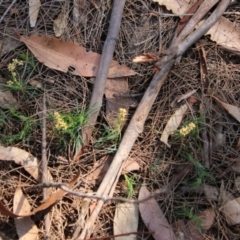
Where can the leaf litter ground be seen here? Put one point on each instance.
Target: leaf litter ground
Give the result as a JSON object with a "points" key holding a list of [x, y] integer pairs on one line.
{"points": [[141, 32]]}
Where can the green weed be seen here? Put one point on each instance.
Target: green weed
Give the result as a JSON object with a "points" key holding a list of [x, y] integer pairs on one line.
{"points": [[20, 72], [200, 173], [130, 183], [185, 212], [67, 126], [25, 125], [113, 135]]}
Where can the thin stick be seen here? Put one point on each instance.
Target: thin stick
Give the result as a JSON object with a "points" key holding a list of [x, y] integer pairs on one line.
{"points": [[137, 122], [8, 9], [47, 221], [101, 78]]}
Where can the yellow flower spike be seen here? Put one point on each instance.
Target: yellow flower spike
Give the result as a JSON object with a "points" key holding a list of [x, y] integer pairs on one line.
{"points": [[122, 114], [60, 124], [186, 130]]}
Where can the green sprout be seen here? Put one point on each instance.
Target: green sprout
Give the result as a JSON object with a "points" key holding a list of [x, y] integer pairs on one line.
{"points": [[131, 183], [113, 134], [26, 123], [185, 212], [67, 126]]}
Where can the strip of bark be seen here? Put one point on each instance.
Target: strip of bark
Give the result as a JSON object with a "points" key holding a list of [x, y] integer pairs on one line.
{"points": [[137, 122], [101, 78], [47, 222]]}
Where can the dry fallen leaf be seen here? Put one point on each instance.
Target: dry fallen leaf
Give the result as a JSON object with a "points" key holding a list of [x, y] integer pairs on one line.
{"points": [[126, 221], [60, 23], [6, 211], [19, 156], [146, 57], [34, 7], [173, 123], [233, 110], [224, 32], [26, 228], [178, 7], [68, 56], [231, 210], [47, 203], [154, 218]]}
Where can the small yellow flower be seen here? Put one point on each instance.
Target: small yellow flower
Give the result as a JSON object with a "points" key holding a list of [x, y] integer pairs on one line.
{"points": [[60, 124], [186, 130], [9, 83], [122, 115]]}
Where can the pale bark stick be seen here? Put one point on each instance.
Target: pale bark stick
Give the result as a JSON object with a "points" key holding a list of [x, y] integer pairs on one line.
{"points": [[137, 122]]}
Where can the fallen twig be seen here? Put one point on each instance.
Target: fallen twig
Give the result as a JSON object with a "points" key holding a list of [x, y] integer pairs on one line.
{"points": [[47, 221], [137, 122], [164, 190], [101, 78]]}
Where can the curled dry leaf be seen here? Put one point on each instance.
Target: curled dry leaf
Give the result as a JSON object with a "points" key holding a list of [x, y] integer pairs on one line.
{"points": [[231, 211], [34, 7], [19, 156], [56, 196], [68, 56], [173, 123], [146, 57], [178, 7], [190, 230], [126, 220], [60, 23], [154, 218], [46, 204], [233, 110], [26, 228]]}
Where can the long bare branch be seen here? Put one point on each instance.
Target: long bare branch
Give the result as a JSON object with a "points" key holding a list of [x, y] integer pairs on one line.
{"points": [[101, 78]]}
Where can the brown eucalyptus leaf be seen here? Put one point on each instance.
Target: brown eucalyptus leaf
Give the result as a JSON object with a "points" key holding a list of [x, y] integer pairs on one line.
{"points": [[46, 204], [19, 156], [64, 56], [154, 218], [26, 229], [4, 210], [233, 110], [178, 7], [126, 221]]}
